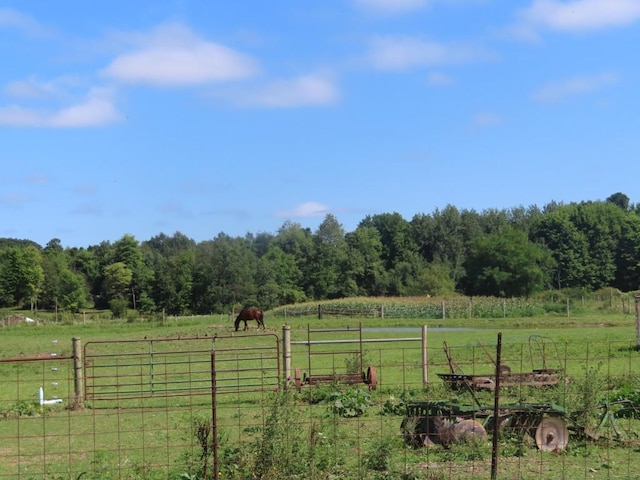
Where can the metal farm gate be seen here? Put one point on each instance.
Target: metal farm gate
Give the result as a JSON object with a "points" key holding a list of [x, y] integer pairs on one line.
{"points": [[151, 386]]}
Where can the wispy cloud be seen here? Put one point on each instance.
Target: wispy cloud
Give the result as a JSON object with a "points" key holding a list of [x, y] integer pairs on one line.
{"points": [[439, 79], [398, 53], [97, 108], [33, 88], [172, 55], [307, 90], [173, 209], [13, 198], [304, 210], [580, 85], [10, 18], [580, 15], [85, 190], [88, 209], [38, 180], [391, 6], [487, 119]]}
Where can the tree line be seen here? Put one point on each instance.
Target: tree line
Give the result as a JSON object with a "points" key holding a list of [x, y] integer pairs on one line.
{"points": [[504, 253]]}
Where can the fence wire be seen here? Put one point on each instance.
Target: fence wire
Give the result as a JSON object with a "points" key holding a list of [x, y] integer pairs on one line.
{"points": [[170, 409]]}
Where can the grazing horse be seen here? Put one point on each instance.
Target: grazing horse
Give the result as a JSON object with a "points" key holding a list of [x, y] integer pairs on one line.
{"points": [[253, 314]]}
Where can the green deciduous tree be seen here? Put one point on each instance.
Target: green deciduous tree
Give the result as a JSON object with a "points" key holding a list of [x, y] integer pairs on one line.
{"points": [[363, 272], [21, 276], [506, 265], [395, 237], [568, 246], [61, 289], [224, 274], [116, 281], [278, 279], [329, 253]]}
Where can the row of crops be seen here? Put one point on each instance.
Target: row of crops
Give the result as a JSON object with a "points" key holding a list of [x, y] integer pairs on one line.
{"points": [[457, 307]]}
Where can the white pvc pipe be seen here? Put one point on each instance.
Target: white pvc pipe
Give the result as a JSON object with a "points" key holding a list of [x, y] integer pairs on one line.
{"points": [[48, 402]]}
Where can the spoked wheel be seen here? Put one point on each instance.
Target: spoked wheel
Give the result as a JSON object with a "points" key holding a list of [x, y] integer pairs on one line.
{"points": [[552, 434], [372, 377]]}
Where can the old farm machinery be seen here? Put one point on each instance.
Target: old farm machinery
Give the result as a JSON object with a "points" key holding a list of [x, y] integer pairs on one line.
{"points": [[432, 423], [537, 377], [548, 425], [321, 372]]}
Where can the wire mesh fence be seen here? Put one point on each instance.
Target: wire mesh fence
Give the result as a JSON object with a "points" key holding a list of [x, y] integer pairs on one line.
{"points": [[231, 407]]}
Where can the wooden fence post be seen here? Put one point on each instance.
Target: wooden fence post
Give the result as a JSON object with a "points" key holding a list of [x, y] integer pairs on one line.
{"points": [[425, 359], [286, 353], [78, 374]]}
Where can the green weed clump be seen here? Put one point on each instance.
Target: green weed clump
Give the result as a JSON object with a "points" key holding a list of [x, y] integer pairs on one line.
{"points": [[350, 402]]}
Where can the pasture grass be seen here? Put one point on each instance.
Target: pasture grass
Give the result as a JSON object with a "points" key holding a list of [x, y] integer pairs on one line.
{"points": [[596, 351]]}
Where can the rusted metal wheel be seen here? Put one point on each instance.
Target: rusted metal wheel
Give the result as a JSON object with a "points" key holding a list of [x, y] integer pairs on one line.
{"points": [[462, 431], [298, 378], [552, 434], [372, 377]]}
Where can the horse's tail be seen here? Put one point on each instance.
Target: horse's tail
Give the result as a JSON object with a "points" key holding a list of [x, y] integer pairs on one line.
{"points": [[261, 318]]}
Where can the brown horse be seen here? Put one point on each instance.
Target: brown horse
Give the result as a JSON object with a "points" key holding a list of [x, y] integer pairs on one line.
{"points": [[252, 314]]}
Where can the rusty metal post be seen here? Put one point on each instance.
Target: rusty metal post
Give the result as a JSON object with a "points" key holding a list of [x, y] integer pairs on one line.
{"points": [[425, 360], [286, 354], [78, 373], [496, 411], [214, 416]]}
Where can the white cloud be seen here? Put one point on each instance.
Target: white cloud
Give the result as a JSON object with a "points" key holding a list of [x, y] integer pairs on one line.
{"points": [[392, 6], [404, 53], [581, 14], [307, 90], [98, 109], [579, 85], [309, 209], [173, 56], [95, 110]]}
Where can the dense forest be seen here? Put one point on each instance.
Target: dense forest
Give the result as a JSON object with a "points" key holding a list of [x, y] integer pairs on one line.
{"points": [[504, 253]]}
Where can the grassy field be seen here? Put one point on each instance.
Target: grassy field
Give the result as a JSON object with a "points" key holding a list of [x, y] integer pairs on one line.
{"points": [[158, 437]]}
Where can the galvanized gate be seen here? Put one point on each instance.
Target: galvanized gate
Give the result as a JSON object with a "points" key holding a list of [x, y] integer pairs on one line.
{"points": [[140, 378], [127, 372]]}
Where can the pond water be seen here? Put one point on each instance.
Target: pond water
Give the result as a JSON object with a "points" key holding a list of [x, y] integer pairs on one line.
{"points": [[419, 329]]}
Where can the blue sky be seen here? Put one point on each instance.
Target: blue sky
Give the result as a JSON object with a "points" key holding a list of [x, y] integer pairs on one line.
{"points": [[207, 116]]}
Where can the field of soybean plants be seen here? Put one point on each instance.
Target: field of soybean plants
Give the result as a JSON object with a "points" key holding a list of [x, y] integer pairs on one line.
{"points": [[189, 398]]}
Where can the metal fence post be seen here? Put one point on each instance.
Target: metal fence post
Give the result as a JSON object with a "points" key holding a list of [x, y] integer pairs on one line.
{"points": [[496, 411]]}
